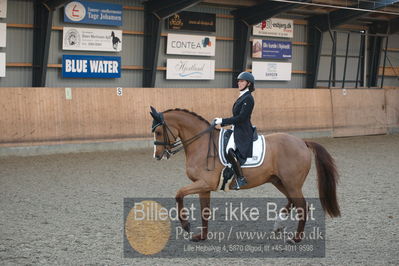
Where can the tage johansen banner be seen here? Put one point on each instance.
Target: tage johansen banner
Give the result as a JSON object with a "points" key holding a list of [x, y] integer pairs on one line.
{"points": [[3, 34], [271, 71], [190, 69], [92, 39], [85, 66], [93, 13], [3, 8], [197, 21], [275, 27], [271, 49], [2, 64], [191, 45]]}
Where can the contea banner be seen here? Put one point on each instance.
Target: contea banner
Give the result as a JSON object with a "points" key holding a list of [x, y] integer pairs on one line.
{"points": [[93, 13], [92, 39], [85, 66], [271, 70], [275, 27], [3, 34], [3, 8], [2, 64], [191, 45], [190, 69], [271, 49]]}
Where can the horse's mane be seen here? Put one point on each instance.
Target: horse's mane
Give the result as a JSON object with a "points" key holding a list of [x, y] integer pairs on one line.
{"points": [[189, 112]]}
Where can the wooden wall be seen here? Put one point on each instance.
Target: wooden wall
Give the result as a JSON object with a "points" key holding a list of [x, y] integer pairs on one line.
{"points": [[359, 112], [392, 107], [35, 115]]}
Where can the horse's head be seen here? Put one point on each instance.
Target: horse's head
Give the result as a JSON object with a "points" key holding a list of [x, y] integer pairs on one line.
{"points": [[165, 135]]}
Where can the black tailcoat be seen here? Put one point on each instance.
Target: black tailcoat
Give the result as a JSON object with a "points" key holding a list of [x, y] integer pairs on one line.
{"points": [[241, 119]]}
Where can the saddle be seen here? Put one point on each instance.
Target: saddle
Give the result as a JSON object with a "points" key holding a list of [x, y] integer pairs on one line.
{"points": [[258, 155], [258, 149]]}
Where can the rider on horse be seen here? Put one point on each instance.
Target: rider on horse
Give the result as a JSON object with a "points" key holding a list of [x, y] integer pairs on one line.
{"points": [[241, 147]]}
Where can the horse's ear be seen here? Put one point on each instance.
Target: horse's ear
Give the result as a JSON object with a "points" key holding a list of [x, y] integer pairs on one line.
{"points": [[155, 114], [153, 110]]}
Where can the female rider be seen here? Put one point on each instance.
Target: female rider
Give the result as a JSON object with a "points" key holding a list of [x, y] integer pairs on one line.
{"points": [[240, 142]]}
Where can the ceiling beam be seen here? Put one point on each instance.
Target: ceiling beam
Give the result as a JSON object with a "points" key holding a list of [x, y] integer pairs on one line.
{"points": [[54, 4], [231, 3], [166, 8], [255, 14]]}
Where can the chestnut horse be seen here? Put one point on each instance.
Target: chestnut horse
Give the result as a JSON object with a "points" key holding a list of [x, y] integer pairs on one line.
{"points": [[286, 165]]}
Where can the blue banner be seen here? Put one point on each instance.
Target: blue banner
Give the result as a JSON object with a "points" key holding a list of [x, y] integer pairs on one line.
{"points": [[93, 13], [271, 49], [89, 66]]}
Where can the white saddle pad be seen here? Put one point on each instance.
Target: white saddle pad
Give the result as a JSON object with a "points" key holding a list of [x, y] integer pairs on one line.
{"points": [[258, 151]]}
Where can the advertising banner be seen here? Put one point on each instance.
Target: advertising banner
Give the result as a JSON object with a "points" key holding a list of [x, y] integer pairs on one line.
{"points": [[271, 49], [191, 45], [197, 21], [271, 71], [2, 65], [92, 39], [85, 66], [3, 8], [275, 27], [93, 13], [190, 69], [3, 34]]}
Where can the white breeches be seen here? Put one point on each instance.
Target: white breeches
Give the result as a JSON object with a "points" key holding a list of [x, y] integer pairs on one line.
{"points": [[231, 144]]}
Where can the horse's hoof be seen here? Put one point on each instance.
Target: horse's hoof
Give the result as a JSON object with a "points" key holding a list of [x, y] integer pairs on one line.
{"points": [[297, 239], [197, 238], [186, 226], [293, 241]]}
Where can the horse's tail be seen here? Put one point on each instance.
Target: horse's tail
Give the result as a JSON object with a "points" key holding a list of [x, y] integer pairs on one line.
{"points": [[327, 177]]}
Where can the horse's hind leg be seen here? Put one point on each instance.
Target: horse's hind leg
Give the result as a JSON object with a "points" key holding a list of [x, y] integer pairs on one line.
{"points": [[292, 180], [205, 200], [284, 213], [199, 186], [301, 209]]}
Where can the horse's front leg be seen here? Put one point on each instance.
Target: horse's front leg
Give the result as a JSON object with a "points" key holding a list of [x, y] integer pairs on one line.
{"points": [[205, 200], [199, 186]]}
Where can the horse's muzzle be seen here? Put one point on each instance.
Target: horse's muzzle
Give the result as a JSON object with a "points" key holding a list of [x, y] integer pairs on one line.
{"points": [[165, 155]]}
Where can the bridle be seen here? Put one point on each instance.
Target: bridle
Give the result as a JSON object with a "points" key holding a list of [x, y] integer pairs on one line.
{"points": [[171, 148]]}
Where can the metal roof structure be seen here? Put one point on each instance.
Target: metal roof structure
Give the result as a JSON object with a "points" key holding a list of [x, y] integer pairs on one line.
{"points": [[380, 16]]}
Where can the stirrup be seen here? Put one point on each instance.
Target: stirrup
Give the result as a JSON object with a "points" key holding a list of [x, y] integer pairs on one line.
{"points": [[240, 181]]}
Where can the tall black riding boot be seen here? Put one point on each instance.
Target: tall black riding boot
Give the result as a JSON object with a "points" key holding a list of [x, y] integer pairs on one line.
{"points": [[240, 179]]}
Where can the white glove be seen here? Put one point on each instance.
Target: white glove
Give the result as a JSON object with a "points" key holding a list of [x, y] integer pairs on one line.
{"points": [[218, 121]]}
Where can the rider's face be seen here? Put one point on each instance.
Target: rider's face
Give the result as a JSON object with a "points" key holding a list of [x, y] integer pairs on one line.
{"points": [[242, 84]]}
